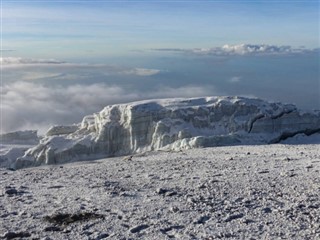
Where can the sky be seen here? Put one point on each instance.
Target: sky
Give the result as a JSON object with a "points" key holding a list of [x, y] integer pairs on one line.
{"points": [[61, 60]]}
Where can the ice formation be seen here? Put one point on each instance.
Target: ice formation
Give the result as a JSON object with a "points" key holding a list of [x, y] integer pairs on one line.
{"points": [[20, 137], [171, 124], [14, 144]]}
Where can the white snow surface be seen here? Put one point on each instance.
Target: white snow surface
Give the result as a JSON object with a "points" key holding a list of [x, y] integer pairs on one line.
{"points": [[238, 192], [171, 124]]}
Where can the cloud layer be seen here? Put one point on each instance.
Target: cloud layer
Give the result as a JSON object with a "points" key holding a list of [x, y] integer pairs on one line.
{"points": [[19, 60], [28, 105], [241, 49], [40, 68], [37, 93]]}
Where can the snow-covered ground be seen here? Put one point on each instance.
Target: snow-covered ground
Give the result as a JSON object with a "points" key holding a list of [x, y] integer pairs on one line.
{"points": [[238, 192]]}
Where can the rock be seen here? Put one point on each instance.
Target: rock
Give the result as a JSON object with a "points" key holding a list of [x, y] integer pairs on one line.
{"points": [[67, 218], [138, 228], [52, 229], [46, 238], [161, 190], [166, 192], [170, 228], [11, 191], [202, 186], [202, 220], [87, 233], [170, 193], [309, 167], [232, 217], [128, 158], [102, 236], [174, 209], [267, 210], [12, 235]]}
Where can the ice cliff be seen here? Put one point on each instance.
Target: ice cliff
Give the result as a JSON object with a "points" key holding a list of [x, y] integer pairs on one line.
{"points": [[20, 137], [14, 144], [171, 124]]}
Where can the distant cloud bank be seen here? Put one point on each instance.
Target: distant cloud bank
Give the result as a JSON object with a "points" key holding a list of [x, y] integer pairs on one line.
{"points": [[20, 63], [141, 72], [241, 49], [18, 60], [49, 105]]}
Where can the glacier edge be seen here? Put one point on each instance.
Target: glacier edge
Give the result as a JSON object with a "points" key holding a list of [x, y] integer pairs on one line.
{"points": [[171, 124]]}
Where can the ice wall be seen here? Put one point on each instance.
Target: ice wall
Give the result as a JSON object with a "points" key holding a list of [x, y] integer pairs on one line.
{"points": [[171, 124]]}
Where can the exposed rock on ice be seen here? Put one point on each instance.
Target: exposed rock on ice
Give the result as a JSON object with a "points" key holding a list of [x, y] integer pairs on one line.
{"points": [[171, 124]]}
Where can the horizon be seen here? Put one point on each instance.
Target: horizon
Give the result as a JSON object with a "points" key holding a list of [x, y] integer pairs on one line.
{"points": [[62, 60]]}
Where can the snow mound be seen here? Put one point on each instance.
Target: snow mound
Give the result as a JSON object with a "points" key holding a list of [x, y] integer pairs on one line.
{"points": [[172, 124]]}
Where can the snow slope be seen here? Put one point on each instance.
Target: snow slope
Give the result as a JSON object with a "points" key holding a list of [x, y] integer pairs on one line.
{"points": [[239, 192], [174, 124]]}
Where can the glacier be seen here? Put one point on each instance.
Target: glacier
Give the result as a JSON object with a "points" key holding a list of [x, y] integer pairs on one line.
{"points": [[171, 124], [15, 144]]}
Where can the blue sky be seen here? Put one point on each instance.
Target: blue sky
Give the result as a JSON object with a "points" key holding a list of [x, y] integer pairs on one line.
{"points": [[67, 59], [75, 28]]}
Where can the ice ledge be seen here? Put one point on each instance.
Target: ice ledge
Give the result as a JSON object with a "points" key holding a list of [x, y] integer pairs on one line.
{"points": [[172, 124]]}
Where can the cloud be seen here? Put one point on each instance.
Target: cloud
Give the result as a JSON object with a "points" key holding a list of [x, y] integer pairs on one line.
{"points": [[7, 50], [141, 72], [247, 49], [235, 79], [241, 49], [29, 105], [19, 60], [33, 69]]}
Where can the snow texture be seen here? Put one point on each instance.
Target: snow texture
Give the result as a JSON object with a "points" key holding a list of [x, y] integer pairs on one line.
{"points": [[171, 124], [239, 192]]}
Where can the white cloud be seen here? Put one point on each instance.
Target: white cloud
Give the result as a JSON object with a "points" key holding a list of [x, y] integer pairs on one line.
{"points": [[241, 49], [246, 49], [19, 60], [28, 105], [33, 69], [235, 79], [32, 76], [141, 72]]}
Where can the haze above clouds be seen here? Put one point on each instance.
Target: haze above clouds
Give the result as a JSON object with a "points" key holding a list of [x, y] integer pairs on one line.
{"points": [[63, 60]]}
